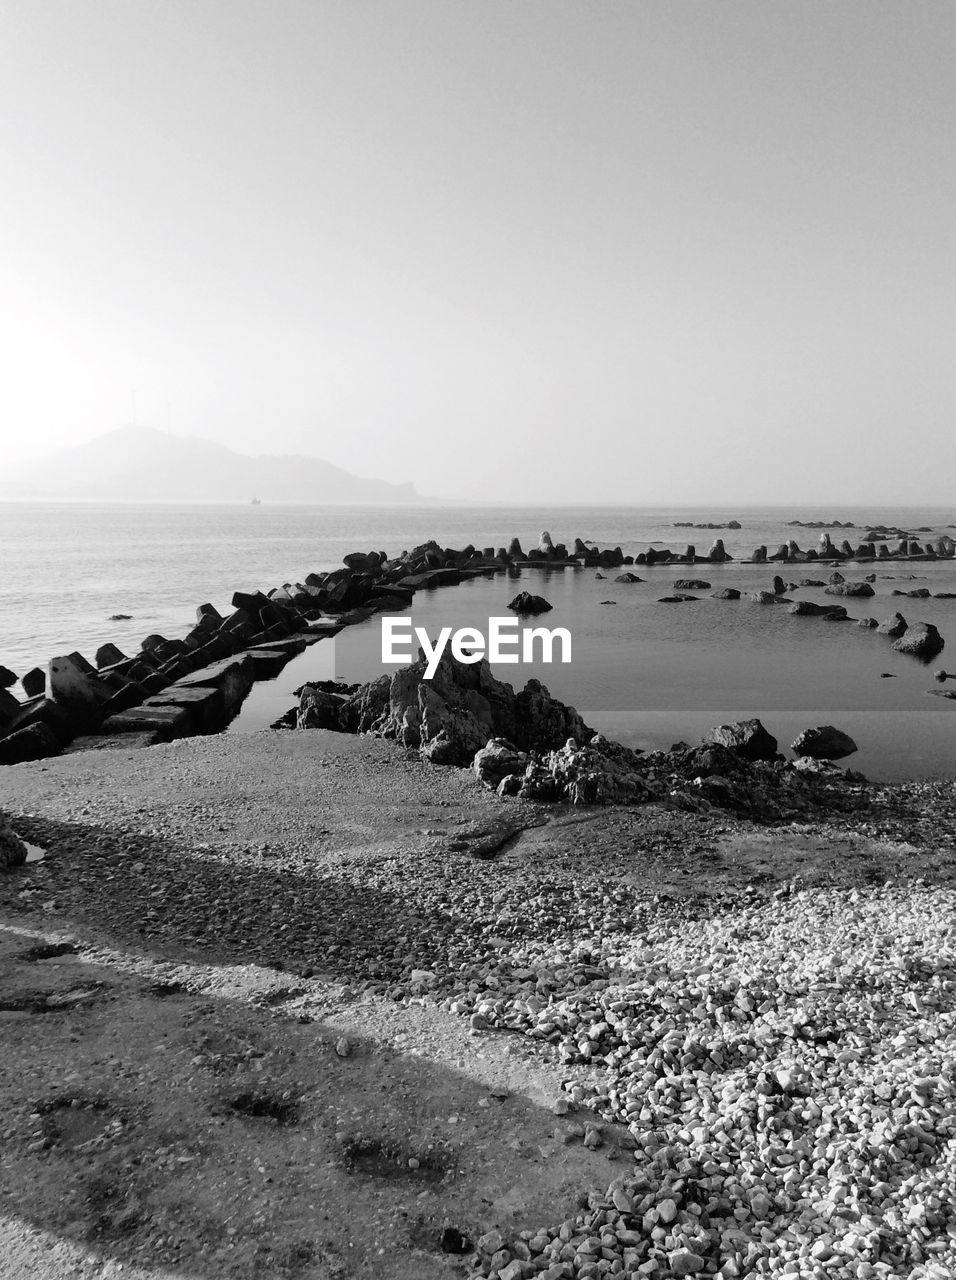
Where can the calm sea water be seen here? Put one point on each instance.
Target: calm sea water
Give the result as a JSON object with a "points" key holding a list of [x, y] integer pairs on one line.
{"points": [[644, 672]]}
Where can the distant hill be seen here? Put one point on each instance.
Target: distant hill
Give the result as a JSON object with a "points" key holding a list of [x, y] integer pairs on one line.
{"points": [[140, 464]]}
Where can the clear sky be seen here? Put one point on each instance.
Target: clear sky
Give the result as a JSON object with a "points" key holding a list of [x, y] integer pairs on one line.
{"points": [[696, 251]]}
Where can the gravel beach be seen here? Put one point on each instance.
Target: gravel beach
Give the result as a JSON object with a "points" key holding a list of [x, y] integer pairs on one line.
{"points": [[300, 1004]]}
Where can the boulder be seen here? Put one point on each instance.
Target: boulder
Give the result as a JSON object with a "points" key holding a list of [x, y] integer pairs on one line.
{"points": [[691, 584], [835, 578], [13, 852], [868, 624], [717, 554], [496, 760], [626, 577], [525, 603], [778, 586], [921, 640], [319, 708], [855, 589], [746, 738], [760, 555], [824, 743], [683, 598], [8, 678], [763, 597], [807, 609], [727, 593], [546, 546], [893, 627]]}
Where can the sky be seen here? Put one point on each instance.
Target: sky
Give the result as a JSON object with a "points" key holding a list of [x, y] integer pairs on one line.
{"points": [[628, 251]]}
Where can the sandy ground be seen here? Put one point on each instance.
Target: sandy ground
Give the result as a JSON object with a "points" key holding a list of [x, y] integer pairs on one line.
{"points": [[230, 1044]]}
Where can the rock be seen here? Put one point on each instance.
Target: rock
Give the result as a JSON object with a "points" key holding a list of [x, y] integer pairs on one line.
{"points": [[921, 640], [319, 709], [760, 555], [824, 743], [526, 603], [778, 586], [8, 678], [850, 589], [727, 593], [717, 554], [601, 772], [763, 597], [893, 627], [836, 578], [691, 584], [343, 1047], [496, 760], [13, 852], [546, 546], [808, 609], [684, 1262], [678, 599], [627, 577], [746, 738], [868, 624], [514, 550]]}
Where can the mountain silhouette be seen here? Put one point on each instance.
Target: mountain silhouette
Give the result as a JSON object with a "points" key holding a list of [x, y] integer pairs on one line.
{"points": [[141, 464]]}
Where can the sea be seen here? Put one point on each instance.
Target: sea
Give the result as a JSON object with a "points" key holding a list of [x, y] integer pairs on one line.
{"points": [[641, 671]]}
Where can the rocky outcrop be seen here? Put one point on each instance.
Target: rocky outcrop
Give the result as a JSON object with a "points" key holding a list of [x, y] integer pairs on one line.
{"points": [[691, 584], [448, 718], [726, 593], [628, 577], [920, 640], [823, 743], [527, 604], [746, 738], [13, 852]]}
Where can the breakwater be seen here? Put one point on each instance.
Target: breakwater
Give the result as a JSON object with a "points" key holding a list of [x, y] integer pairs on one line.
{"points": [[174, 687]]}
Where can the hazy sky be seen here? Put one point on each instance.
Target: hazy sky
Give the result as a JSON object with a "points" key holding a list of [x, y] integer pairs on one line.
{"points": [[622, 250]]}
